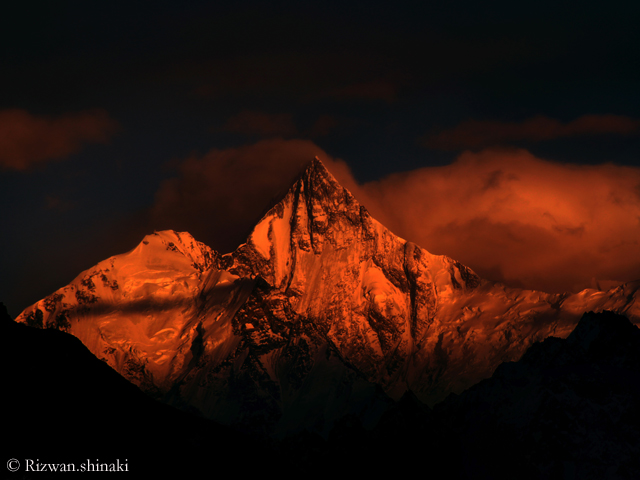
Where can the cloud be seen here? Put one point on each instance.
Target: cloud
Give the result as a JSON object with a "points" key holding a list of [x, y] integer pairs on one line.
{"points": [[27, 140], [261, 124], [519, 219], [510, 216], [477, 134]]}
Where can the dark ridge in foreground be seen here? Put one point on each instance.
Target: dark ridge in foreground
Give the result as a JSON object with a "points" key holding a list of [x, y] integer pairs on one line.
{"points": [[63, 405], [569, 409]]}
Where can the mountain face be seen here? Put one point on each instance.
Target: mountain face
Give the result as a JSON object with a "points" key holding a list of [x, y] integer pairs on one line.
{"points": [[323, 312]]}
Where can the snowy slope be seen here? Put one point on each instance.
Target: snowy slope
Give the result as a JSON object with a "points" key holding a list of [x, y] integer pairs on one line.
{"points": [[322, 312]]}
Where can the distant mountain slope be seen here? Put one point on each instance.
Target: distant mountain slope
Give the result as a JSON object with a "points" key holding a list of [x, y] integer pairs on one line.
{"points": [[322, 313]]}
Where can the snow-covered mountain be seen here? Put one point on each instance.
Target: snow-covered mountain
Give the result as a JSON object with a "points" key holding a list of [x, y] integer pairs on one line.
{"points": [[321, 313]]}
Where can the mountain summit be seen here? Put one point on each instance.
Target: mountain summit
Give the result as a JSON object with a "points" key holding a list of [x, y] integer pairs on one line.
{"points": [[321, 313]]}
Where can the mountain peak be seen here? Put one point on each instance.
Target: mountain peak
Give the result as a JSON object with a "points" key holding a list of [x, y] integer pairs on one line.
{"points": [[314, 186], [319, 182], [316, 165], [315, 213]]}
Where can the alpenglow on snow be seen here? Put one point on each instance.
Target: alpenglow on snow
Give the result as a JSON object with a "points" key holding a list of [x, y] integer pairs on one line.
{"points": [[321, 313]]}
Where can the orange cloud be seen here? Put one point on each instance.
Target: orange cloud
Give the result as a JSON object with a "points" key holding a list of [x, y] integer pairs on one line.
{"points": [[477, 134], [510, 216], [519, 219], [261, 124], [26, 139]]}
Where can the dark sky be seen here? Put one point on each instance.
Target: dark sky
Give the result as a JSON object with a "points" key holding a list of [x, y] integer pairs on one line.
{"points": [[506, 136]]}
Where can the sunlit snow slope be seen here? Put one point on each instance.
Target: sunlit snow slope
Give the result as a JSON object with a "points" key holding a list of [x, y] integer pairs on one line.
{"points": [[322, 312]]}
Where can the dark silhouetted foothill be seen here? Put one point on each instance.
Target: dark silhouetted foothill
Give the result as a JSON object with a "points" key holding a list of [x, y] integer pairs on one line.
{"points": [[568, 409], [61, 404]]}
